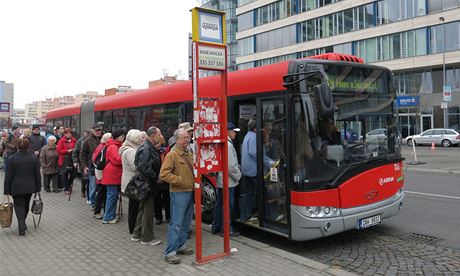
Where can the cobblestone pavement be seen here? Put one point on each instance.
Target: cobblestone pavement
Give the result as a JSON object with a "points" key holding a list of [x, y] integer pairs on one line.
{"points": [[369, 252], [70, 242]]}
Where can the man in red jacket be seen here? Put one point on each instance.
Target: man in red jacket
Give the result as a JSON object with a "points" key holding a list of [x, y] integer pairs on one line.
{"points": [[65, 148], [111, 176]]}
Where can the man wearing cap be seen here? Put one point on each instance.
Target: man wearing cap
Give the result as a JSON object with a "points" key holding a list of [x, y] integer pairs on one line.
{"points": [[86, 153], [36, 140], [234, 175]]}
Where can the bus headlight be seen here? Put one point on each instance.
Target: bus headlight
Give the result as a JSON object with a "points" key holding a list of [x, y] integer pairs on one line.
{"points": [[318, 211]]}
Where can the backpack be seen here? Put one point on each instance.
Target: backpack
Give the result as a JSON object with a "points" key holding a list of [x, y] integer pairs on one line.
{"points": [[101, 159]]}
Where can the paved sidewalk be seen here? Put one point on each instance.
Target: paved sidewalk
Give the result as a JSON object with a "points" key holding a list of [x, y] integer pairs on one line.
{"points": [[70, 242]]}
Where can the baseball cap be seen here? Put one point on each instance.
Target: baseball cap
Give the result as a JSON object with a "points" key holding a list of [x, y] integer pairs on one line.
{"points": [[186, 126], [231, 126], [97, 126], [35, 126]]}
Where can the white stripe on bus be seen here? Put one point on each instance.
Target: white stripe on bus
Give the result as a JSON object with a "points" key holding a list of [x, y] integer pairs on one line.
{"points": [[445, 196]]}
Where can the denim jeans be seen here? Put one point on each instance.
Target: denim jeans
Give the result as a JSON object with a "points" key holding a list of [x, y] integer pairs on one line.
{"points": [[92, 189], [111, 202], [247, 190], [217, 222], [181, 218]]}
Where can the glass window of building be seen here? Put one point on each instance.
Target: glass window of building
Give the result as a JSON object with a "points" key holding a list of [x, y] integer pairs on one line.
{"points": [[450, 4], [452, 31], [436, 39], [246, 46], [434, 6], [421, 42], [245, 21]]}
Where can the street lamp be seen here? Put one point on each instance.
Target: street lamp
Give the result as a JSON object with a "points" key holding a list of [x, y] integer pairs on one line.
{"points": [[444, 65]]}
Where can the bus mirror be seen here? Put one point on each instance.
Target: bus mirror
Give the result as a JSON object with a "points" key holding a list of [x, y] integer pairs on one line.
{"points": [[324, 100]]}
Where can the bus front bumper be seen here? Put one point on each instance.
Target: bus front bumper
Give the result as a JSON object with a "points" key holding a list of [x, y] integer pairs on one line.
{"points": [[307, 228]]}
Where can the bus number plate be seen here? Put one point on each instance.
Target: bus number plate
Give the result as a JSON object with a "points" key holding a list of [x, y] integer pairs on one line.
{"points": [[368, 222]]}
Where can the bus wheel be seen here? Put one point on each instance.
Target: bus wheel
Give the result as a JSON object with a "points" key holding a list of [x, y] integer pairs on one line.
{"points": [[208, 201]]}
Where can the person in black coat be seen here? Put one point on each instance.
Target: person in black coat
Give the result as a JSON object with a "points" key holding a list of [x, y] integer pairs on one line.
{"points": [[22, 180]]}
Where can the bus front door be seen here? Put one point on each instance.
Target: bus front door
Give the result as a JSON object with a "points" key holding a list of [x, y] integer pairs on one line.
{"points": [[272, 133]]}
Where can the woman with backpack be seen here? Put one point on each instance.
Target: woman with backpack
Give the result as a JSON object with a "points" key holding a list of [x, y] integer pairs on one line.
{"points": [[128, 152], [98, 154], [65, 148], [111, 176]]}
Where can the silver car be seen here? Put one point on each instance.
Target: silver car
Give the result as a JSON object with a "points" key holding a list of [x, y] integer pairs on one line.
{"points": [[440, 136]]}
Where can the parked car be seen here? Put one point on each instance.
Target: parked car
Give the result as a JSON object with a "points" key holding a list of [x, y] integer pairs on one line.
{"points": [[440, 136], [378, 135]]}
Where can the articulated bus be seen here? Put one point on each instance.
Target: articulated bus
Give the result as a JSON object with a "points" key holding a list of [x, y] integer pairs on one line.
{"points": [[321, 169]]}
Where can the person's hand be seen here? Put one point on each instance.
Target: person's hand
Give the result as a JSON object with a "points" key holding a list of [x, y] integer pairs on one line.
{"points": [[69, 150], [75, 165], [36, 153], [86, 170]]}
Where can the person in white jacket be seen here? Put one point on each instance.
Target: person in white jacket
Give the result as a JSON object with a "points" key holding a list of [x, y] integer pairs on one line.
{"points": [[234, 175], [127, 152]]}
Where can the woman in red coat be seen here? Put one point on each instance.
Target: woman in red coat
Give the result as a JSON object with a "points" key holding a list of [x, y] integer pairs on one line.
{"points": [[111, 176], [65, 148]]}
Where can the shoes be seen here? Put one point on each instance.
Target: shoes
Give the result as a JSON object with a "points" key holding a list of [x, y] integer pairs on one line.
{"points": [[158, 222], [172, 259], [67, 192], [152, 242], [88, 202], [113, 221], [83, 194], [251, 219], [185, 251], [92, 208], [134, 239], [47, 191], [22, 233], [215, 232], [97, 216]]}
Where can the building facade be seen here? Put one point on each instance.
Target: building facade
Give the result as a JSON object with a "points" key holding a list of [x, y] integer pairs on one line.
{"points": [[121, 89], [6, 96], [166, 80], [87, 97], [406, 36]]}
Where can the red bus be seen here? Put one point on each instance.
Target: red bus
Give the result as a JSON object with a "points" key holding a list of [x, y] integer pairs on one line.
{"points": [[326, 172]]}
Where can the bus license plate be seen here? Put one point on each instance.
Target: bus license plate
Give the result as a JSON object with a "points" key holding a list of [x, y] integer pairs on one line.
{"points": [[368, 222]]}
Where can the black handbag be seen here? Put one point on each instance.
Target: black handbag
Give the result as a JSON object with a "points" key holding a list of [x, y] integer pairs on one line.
{"points": [[37, 208], [138, 188]]}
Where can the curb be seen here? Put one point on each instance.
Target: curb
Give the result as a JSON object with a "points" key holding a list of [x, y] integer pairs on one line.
{"points": [[421, 169], [317, 267]]}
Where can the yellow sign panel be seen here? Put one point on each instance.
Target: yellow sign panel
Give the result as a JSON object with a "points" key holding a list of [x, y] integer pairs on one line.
{"points": [[208, 26]]}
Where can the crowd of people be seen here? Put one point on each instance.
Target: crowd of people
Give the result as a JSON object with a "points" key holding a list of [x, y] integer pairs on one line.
{"points": [[107, 163]]}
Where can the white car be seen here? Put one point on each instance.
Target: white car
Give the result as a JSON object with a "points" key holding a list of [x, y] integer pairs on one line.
{"points": [[439, 136]]}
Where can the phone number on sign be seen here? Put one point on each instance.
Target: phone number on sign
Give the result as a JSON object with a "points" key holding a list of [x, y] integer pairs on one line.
{"points": [[211, 63]]}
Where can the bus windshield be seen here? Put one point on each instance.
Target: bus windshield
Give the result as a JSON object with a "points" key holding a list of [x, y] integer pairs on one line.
{"points": [[361, 130]]}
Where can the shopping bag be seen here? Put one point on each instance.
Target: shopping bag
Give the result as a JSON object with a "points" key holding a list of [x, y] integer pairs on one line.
{"points": [[6, 212]]}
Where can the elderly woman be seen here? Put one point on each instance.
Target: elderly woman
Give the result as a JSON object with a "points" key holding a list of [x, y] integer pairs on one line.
{"points": [[100, 189], [128, 152], [49, 162], [22, 180]]}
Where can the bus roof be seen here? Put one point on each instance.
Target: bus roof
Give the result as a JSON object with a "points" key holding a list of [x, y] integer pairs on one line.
{"points": [[68, 110], [249, 81]]}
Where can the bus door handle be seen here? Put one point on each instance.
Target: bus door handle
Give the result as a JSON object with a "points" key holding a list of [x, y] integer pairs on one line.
{"points": [[283, 162]]}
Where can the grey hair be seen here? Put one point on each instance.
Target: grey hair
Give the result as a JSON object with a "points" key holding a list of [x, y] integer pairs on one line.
{"points": [[51, 137], [252, 124], [152, 131], [105, 138], [178, 132]]}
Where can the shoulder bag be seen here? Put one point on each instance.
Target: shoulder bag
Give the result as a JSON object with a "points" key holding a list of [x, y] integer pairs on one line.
{"points": [[6, 212]]}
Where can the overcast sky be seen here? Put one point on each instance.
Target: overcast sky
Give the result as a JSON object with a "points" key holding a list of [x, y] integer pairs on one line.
{"points": [[64, 47]]}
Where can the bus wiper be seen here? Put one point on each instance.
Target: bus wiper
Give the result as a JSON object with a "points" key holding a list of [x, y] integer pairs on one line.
{"points": [[306, 75]]}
